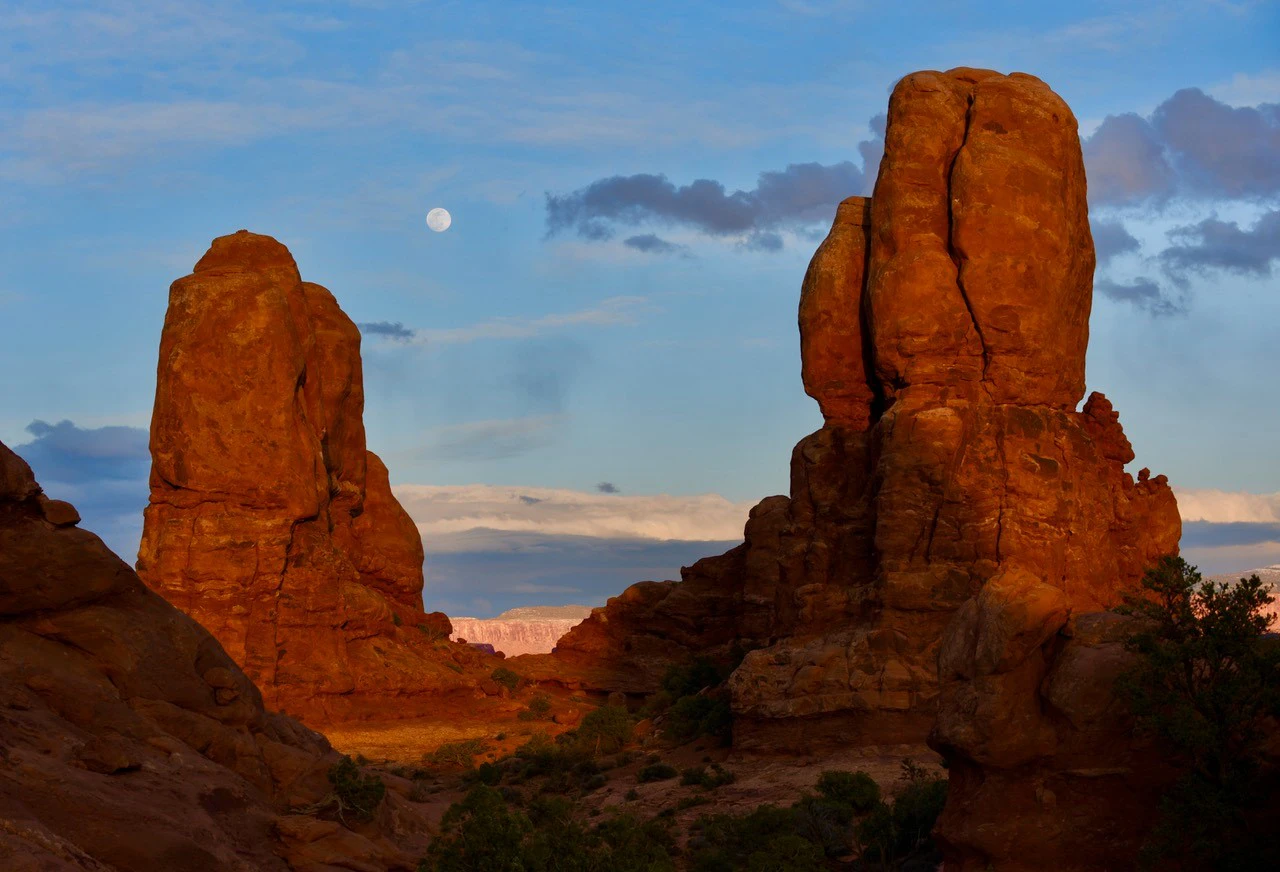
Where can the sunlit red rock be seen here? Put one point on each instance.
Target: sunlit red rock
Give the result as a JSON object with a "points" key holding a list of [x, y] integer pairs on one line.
{"points": [[955, 507], [270, 522], [131, 741]]}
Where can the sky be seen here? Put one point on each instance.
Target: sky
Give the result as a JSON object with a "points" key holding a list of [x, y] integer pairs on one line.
{"points": [[594, 373]]}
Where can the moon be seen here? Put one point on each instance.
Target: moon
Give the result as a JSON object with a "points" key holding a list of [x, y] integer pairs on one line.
{"points": [[439, 219]]}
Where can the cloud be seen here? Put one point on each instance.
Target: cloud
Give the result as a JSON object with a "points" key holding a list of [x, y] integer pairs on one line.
{"points": [[493, 440], [479, 517], [103, 471], [614, 311], [1110, 239], [1142, 293], [1192, 146], [798, 195], [391, 329], [1227, 507], [650, 243], [1214, 244], [607, 487], [533, 569]]}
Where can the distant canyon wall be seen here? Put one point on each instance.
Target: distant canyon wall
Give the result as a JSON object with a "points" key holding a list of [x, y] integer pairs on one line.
{"points": [[530, 630]]}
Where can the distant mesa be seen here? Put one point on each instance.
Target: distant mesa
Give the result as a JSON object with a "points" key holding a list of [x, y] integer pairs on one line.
{"points": [[270, 522], [526, 630]]}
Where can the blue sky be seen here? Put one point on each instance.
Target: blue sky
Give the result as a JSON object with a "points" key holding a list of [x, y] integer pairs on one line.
{"points": [[533, 352]]}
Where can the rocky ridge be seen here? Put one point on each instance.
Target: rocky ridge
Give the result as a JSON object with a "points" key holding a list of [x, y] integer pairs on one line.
{"points": [[269, 521], [130, 740]]}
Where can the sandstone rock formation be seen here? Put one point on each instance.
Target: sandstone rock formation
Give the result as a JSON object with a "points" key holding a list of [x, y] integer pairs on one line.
{"points": [[943, 332], [269, 521], [529, 630], [129, 740]]}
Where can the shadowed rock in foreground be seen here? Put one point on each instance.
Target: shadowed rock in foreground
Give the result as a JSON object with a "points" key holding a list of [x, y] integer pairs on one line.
{"points": [[269, 521], [954, 484], [129, 740]]}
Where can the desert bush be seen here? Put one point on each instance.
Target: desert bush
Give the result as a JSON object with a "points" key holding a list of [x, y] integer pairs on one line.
{"points": [[761, 840], [605, 730], [856, 789], [355, 793], [1207, 679], [482, 834], [460, 754], [656, 772], [893, 832], [700, 776], [694, 716], [504, 676], [539, 708]]}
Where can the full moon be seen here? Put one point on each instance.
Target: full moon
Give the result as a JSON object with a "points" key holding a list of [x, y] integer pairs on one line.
{"points": [[439, 219]]}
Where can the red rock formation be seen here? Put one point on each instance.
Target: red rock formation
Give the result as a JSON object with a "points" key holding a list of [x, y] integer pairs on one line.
{"points": [[269, 522], [945, 343], [130, 741]]}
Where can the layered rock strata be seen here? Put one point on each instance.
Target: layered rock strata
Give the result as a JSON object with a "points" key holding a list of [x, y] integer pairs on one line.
{"points": [[269, 521], [130, 741], [943, 331]]}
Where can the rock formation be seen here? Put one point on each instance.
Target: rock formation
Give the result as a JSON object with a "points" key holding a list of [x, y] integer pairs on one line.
{"points": [[130, 741], [529, 630], [269, 521], [943, 330]]}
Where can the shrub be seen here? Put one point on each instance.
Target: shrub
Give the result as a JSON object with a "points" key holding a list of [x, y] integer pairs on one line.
{"points": [[605, 730], [856, 789], [728, 843], [787, 853], [461, 754], [356, 794], [656, 772], [432, 634], [395, 619], [699, 776], [694, 716], [1207, 678], [504, 676], [481, 834], [538, 709], [891, 833]]}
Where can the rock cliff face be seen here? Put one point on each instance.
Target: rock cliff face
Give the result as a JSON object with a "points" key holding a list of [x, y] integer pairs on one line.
{"points": [[269, 521], [943, 331], [129, 740]]}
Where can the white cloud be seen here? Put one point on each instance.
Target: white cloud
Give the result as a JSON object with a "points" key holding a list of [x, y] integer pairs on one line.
{"points": [[1249, 90], [1228, 507], [478, 517], [610, 312]]}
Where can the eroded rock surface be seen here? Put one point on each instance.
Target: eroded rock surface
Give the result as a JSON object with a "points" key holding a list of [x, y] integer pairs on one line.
{"points": [[269, 521], [955, 507], [130, 740]]}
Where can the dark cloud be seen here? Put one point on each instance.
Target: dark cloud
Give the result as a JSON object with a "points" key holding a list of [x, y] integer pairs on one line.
{"points": [[651, 243], [537, 569], [1203, 534], [102, 471], [1192, 146], [1143, 293], [528, 500], [389, 329], [1111, 239], [1214, 244], [796, 196], [607, 487]]}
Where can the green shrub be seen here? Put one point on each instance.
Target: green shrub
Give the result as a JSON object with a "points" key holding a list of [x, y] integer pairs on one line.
{"points": [[539, 708], [694, 716], [726, 843], [395, 619], [1206, 681], [605, 730], [700, 776], [826, 823], [356, 794], [460, 754], [481, 834], [856, 789], [787, 853], [504, 676], [656, 772], [891, 833]]}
